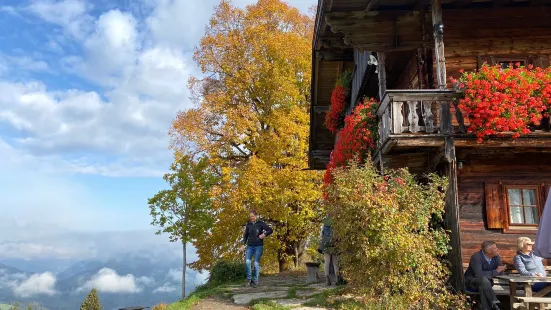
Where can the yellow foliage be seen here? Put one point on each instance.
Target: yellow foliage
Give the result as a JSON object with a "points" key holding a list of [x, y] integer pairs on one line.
{"points": [[389, 238], [251, 120], [161, 306]]}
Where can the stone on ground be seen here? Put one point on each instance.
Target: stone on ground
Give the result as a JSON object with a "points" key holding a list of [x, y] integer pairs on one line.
{"points": [[292, 302], [245, 299]]}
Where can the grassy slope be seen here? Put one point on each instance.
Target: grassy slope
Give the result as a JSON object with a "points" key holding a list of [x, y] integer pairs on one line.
{"points": [[200, 293], [5, 307]]}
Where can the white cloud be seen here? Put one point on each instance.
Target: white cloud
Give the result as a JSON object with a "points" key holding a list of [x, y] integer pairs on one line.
{"points": [[21, 62], [175, 275], [108, 281], [22, 250], [165, 288], [111, 49], [72, 15], [10, 280], [192, 276], [147, 281], [36, 284], [173, 22]]}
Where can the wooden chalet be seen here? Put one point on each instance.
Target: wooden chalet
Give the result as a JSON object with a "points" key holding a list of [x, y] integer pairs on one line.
{"points": [[498, 187]]}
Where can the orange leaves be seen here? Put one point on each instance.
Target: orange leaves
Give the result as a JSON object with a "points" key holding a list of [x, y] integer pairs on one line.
{"points": [[251, 120]]}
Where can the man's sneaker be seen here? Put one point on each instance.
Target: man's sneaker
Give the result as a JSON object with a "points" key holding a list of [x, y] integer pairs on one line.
{"points": [[254, 283], [248, 283]]}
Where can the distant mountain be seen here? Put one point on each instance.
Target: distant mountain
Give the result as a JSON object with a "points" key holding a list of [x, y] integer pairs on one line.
{"points": [[39, 265], [127, 280]]}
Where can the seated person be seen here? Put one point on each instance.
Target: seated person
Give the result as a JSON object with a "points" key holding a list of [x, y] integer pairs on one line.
{"points": [[483, 267], [527, 263]]}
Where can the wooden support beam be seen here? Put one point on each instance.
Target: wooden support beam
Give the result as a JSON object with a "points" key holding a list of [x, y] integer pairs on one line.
{"points": [[500, 3], [451, 217]]}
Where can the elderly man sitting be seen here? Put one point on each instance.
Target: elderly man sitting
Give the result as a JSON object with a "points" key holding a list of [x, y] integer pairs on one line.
{"points": [[483, 267]]}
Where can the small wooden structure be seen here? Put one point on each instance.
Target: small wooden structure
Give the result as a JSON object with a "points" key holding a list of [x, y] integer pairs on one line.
{"points": [[497, 188], [312, 270]]}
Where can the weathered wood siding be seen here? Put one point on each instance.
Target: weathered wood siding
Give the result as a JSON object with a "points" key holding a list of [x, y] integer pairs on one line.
{"points": [[503, 166], [470, 35], [409, 79]]}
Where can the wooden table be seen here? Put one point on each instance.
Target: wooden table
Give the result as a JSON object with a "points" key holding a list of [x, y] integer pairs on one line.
{"points": [[526, 283]]}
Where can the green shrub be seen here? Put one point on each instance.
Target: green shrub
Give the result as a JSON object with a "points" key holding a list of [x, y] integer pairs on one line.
{"points": [[389, 248], [227, 271]]}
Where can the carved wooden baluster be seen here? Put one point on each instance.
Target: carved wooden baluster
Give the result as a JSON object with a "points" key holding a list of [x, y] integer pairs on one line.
{"points": [[413, 118], [397, 117], [428, 118]]}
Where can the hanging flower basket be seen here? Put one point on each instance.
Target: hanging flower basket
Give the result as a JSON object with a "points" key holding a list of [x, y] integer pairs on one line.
{"points": [[499, 101], [357, 139], [334, 119]]}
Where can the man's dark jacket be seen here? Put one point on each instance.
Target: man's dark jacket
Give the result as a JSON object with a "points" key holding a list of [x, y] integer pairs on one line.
{"points": [[479, 267], [253, 231]]}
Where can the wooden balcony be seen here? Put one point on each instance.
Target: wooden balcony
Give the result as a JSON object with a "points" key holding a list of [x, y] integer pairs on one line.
{"points": [[413, 119]]}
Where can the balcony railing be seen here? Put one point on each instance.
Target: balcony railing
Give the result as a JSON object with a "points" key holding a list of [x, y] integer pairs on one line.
{"points": [[418, 112]]}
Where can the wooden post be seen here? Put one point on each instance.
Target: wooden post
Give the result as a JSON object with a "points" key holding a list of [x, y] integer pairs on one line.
{"points": [[451, 216], [381, 71], [438, 28], [381, 59]]}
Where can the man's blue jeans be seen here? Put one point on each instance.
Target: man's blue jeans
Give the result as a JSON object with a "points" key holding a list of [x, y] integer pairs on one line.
{"points": [[256, 251]]}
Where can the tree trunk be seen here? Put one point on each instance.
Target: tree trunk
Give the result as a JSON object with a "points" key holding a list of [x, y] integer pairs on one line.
{"points": [[184, 273], [286, 256]]}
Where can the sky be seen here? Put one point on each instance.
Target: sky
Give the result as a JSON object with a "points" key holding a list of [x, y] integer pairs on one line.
{"points": [[88, 89]]}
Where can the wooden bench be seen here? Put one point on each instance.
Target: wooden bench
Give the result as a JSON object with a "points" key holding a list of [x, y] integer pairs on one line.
{"points": [[529, 302]]}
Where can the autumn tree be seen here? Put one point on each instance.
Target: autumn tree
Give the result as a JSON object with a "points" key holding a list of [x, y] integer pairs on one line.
{"points": [[92, 301], [251, 120], [184, 210]]}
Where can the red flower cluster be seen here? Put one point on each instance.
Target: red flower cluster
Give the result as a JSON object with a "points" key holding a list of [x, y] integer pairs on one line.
{"points": [[356, 139], [498, 100], [334, 119]]}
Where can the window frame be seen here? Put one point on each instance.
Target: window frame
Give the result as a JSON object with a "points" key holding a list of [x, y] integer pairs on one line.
{"points": [[539, 206], [513, 60]]}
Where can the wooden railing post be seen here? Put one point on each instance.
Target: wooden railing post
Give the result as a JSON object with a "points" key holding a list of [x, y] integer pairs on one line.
{"points": [[428, 118], [397, 117], [413, 118]]}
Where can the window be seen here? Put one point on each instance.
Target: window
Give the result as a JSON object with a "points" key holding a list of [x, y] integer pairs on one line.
{"points": [[514, 206], [523, 205], [539, 60], [505, 63]]}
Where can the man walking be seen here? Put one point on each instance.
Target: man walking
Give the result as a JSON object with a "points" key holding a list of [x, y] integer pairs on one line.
{"points": [[483, 267], [253, 242]]}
